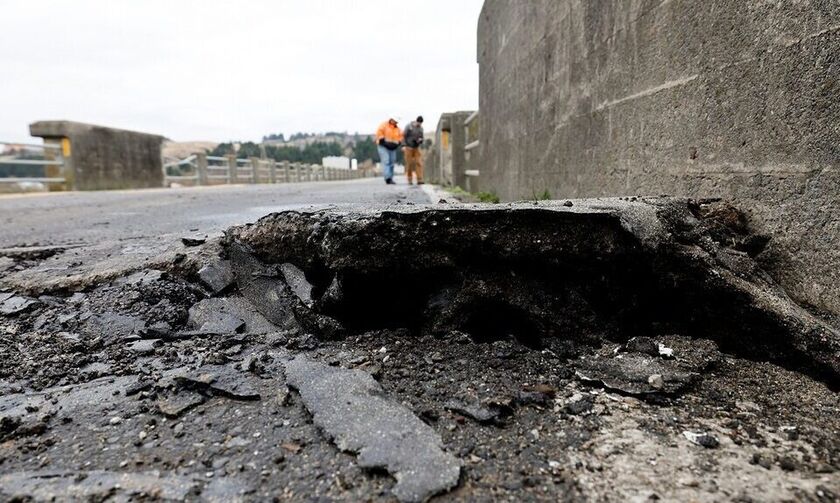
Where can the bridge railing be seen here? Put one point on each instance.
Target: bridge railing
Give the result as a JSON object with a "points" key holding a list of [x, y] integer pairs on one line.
{"points": [[23, 163], [203, 169]]}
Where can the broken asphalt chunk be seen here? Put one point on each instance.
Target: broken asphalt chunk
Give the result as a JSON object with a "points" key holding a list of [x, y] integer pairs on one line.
{"points": [[477, 412], [217, 275], [631, 373], [296, 279], [226, 316], [178, 403], [225, 380], [114, 326], [639, 373], [144, 346], [266, 287], [351, 407], [15, 304]]}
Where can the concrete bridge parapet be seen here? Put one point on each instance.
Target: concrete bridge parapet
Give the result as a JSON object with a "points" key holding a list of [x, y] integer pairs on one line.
{"points": [[99, 158]]}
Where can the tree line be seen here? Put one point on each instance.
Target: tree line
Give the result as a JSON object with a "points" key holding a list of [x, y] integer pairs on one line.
{"points": [[362, 150]]}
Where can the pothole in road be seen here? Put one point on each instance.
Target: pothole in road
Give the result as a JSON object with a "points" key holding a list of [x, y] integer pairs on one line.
{"points": [[599, 271]]}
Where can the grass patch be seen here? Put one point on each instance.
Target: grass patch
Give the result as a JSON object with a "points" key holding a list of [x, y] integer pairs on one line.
{"points": [[545, 196], [488, 197], [469, 197]]}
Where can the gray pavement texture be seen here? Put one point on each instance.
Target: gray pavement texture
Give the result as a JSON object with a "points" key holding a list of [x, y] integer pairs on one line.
{"points": [[102, 235]]}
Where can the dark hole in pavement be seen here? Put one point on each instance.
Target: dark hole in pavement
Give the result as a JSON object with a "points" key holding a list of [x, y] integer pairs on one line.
{"points": [[493, 321], [604, 272]]}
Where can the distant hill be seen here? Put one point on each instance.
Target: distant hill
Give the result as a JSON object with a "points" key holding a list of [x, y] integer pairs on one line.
{"points": [[177, 150], [301, 140]]}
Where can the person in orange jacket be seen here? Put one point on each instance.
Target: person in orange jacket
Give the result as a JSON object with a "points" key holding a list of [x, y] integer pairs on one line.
{"points": [[389, 137]]}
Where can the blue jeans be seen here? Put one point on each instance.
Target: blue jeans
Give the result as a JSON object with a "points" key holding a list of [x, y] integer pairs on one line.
{"points": [[388, 158]]}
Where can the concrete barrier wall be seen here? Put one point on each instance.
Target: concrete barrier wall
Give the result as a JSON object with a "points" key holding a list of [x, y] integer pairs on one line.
{"points": [[731, 98], [106, 158], [445, 162]]}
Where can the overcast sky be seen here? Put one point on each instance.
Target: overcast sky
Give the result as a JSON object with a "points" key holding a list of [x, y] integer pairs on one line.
{"points": [[221, 70]]}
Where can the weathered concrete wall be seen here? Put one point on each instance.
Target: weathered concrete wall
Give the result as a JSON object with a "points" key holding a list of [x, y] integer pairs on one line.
{"points": [[106, 158], [445, 161], [731, 98]]}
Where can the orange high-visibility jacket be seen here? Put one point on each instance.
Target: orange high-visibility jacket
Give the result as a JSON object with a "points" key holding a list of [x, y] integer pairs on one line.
{"points": [[389, 132]]}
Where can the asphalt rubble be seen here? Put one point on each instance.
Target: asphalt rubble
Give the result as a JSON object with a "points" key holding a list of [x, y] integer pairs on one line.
{"points": [[612, 349]]}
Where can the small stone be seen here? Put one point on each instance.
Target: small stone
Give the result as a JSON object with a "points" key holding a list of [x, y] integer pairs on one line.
{"points": [[760, 460], [706, 440], [193, 241], [787, 464], [823, 468], [665, 351], [283, 396], [644, 345], [473, 411], [115, 420], [291, 447], [578, 404], [142, 435], [656, 381], [144, 346]]}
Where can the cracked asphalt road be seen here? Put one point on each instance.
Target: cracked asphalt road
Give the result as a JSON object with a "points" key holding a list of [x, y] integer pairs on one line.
{"points": [[580, 351], [89, 217]]}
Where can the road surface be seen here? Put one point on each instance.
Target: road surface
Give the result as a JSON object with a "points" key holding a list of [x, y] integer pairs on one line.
{"points": [[67, 241], [87, 217]]}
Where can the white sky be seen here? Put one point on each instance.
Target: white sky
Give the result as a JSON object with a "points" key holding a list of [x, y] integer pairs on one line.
{"points": [[223, 70]]}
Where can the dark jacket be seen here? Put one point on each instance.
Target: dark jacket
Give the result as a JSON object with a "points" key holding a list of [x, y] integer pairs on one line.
{"points": [[413, 135]]}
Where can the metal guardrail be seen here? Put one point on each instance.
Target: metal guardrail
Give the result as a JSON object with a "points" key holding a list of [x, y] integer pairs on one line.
{"points": [[201, 169], [21, 155]]}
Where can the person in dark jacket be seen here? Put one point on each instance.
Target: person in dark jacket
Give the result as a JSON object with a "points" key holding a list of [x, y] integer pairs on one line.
{"points": [[413, 138]]}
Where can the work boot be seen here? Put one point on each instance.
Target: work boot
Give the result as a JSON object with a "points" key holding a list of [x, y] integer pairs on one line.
{"points": [[420, 182]]}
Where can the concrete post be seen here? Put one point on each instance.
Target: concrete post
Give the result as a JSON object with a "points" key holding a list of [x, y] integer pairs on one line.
{"points": [[201, 168], [232, 178], [324, 173], [272, 171], [287, 176], [255, 170], [298, 174], [310, 170]]}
